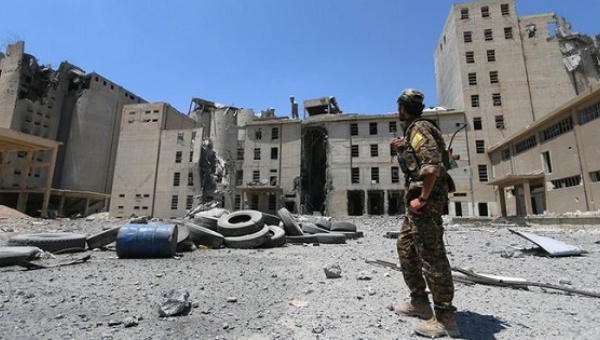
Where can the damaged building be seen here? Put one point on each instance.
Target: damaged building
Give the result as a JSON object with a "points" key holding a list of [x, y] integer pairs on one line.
{"points": [[82, 112]]}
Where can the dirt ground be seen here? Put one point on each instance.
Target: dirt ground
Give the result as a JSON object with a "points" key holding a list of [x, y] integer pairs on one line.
{"points": [[283, 293]]}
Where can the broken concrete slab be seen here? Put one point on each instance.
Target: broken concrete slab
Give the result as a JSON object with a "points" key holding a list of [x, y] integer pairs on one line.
{"points": [[554, 248]]}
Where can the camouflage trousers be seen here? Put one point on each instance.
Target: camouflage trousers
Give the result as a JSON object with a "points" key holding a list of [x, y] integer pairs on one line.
{"points": [[423, 257]]}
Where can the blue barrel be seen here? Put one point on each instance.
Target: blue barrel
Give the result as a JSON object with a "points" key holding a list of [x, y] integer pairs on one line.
{"points": [[147, 240]]}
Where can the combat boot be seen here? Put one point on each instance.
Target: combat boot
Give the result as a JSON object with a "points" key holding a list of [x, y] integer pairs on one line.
{"points": [[420, 309], [440, 325]]}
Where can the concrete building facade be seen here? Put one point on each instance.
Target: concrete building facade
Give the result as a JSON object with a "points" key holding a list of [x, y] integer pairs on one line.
{"points": [[506, 71]]}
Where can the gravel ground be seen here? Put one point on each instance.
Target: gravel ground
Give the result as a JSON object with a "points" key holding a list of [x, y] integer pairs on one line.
{"points": [[283, 293]]}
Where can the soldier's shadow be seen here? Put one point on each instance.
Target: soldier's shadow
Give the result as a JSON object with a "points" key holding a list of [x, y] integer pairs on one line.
{"points": [[478, 327]]}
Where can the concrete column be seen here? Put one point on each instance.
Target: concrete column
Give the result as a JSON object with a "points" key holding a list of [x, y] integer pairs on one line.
{"points": [[49, 176], [502, 197], [527, 198]]}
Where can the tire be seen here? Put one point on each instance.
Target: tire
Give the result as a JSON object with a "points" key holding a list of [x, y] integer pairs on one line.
{"points": [[271, 219], [323, 222], [351, 235], [103, 238], [51, 242], [331, 238], [311, 228], [301, 239], [209, 222], [248, 241], [204, 236], [343, 226], [183, 233], [276, 237], [10, 256], [290, 225], [240, 223]]}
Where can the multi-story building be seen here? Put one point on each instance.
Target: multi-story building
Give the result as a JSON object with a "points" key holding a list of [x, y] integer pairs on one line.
{"points": [[506, 71], [81, 111]]}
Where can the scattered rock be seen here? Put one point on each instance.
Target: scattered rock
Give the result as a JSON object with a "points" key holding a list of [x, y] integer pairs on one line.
{"points": [[175, 303], [333, 271]]}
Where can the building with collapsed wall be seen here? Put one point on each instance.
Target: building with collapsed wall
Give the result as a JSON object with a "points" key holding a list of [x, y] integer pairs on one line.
{"points": [[80, 111], [505, 72]]}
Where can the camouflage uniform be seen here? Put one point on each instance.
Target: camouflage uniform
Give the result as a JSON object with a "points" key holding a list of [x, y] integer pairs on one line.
{"points": [[420, 244]]}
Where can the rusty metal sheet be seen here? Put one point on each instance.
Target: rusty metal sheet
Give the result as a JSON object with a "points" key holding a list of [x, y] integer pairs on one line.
{"points": [[551, 246]]}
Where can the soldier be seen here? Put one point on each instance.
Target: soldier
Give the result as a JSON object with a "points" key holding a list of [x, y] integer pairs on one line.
{"points": [[420, 244]]}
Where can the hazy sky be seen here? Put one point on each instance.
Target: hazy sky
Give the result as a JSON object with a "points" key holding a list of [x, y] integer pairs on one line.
{"points": [[254, 53]]}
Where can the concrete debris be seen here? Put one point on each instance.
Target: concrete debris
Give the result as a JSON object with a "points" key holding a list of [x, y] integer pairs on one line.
{"points": [[552, 247], [175, 303], [333, 271]]}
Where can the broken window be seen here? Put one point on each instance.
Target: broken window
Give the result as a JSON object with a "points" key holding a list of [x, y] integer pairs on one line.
{"points": [[178, 155], [254, 202], [240, 154], [374, 150], [485, 12], [480, 146], [475, 100], [504, 9], [525, 144], [255, 176], [395, 174], [256, 153], [557, 129], [274, 153], [470, 56], [464, 13], [354, 129], [174, 202], [494, 77], [356, 202], [354, 150], [273, 177], [567, 182], [595, 176], [191, 156], [491, 55], [258, 134], [396, 202], [190, 179], [275, 133], [468, 36], [375, 175], [372, 128], [487, 33], [392, 127], [499, 122], [531, 30], [189, 202], [180, 136], [483, 173], [239, 178], [477, 123], [375, 202], [176, 178], [589, 113], [472, 78], [506, 154], [508, 33], [547, 161], [497, 99], [355, 176]]}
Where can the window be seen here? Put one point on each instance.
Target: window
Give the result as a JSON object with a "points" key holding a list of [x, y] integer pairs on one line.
{"points": [[174, 202], [547, 161], [190, 179], [491, 55], [374, 175], [504, 9], [372, 128], [470, 55], [275, 133], [258, 134], [525, 144], [595, 176], [468, 36], [239, 177], [392, 127], [257, 153], [557, 129], [472, 78], [497, 99], [395, 174], [240, 154], [189, 202], [485, 12], [274, 153], [508, 33], [254, 202], [589, 113], [353, 129], [506, 154], [273, 177], [393, 151], [475, 100], [480, 146], [374, 150], [464, 13], [272, 202], [483, 173], [178, 156], [237, 202], [255, 175], [494, 77], [354, 150], [477, 123], [567, 182], [176, 179], [355, 176], [191, 159], [499, 122], [487, 34]]}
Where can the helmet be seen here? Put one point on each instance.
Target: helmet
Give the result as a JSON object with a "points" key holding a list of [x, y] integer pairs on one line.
{"points": [[411, 96]]}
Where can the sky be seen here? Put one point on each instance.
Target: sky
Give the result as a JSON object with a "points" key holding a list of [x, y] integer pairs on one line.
{"points": [[254, 53]]}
